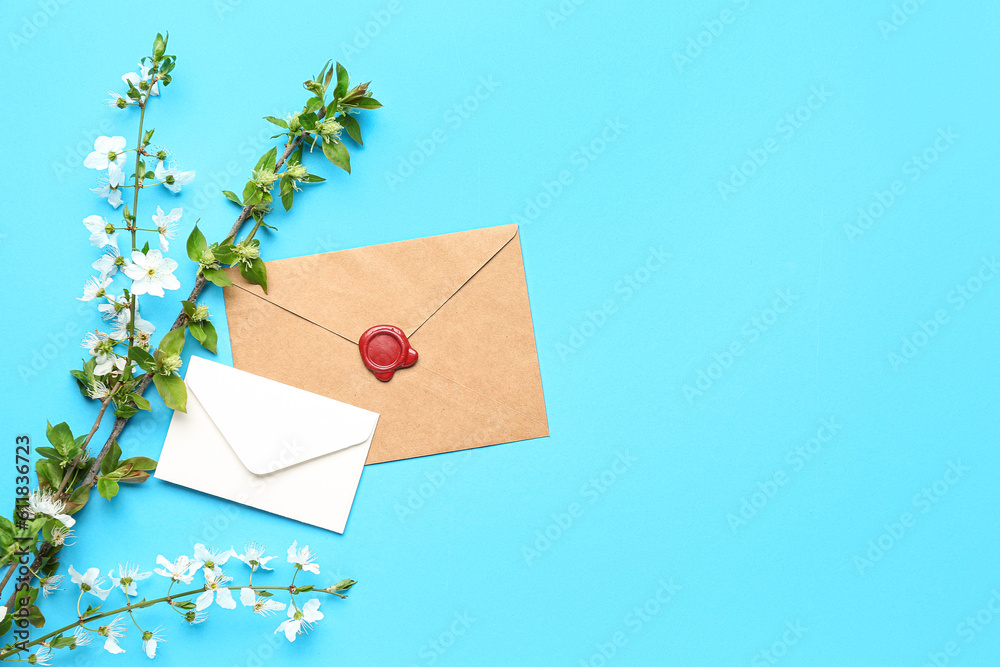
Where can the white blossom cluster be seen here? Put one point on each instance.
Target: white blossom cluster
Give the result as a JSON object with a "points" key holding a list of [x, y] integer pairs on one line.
{"points": [[147, 272], [206, 565]]}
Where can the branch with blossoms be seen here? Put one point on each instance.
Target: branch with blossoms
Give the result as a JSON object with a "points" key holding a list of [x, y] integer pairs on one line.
{"points": [[216, 592], [123, 361]]}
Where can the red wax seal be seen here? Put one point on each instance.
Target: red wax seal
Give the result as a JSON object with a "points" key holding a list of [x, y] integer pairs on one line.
{"points": [[385, 349]]}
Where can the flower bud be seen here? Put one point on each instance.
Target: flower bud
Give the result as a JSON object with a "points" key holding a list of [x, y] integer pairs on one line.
{"points": [[171, 364], [296, 170], [200, 314], [264, 178], [329, 128]]}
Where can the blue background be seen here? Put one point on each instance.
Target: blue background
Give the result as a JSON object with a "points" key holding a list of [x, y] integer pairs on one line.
{"points": [[482, 536]]}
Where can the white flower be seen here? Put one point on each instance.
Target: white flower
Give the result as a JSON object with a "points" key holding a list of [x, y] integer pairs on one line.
{"points": [[116, 309], [60, 534], [109, 262], [43, 656], [45, 502], [150, 641], [81, 636], [181, 570], [303, 558], [117, 100], [210, 559], [128, 574], [173, 179], [262, 606], [215, 588], [166, 225], [151, 273], [102, 346], [50, 584], [141, 78], [111, 188], [90, 581], [254, 557], [98, 390], [102, 232], [143, 328], [196, 617], [113, 631], [297, 618], [94, 288], [107, 151]]}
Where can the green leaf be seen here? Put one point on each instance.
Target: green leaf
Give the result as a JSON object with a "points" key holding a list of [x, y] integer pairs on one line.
{"points": [[265, 594], [231, 196], [141, 357], [172, 391], [344, 585], [49, 453], [110, 461], [224, 253], [312, 178], [108, 488], [350, 124], [197, 331], [140, 463], [78, 499], [81, 381], [172, 342], [188, 307], [159, 46], [342, 81], [277, 121], [62, 642], [49, 473], [266, 161], [304, 589], [336, 152], [211, 337], [196, 244], [59, 434], [287, 198], [217, 277], [312, 104], [126, 411], [367, 103], [256, 273], [134, 477], [35, 616], [250, 190], [186, 605], [256, 196], [140, 402], [308, 120]]}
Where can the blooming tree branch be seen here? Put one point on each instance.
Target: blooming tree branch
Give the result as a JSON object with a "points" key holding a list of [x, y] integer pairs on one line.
{"points": [[123, 363]]}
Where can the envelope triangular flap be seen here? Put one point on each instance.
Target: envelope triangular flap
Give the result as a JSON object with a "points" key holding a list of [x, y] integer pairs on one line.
{"points": [[270, 425], [401, 283]]}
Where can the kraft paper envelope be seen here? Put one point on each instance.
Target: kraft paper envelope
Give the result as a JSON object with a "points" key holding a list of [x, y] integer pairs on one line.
{"points": [[462, 301], [267, 445]]}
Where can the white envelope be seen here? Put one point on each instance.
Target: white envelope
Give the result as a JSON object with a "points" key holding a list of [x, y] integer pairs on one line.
{"points": [[265, 444]]}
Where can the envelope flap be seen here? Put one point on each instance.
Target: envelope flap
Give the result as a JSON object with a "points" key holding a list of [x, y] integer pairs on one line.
{"points": [[401, 283], [271, 425]]}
